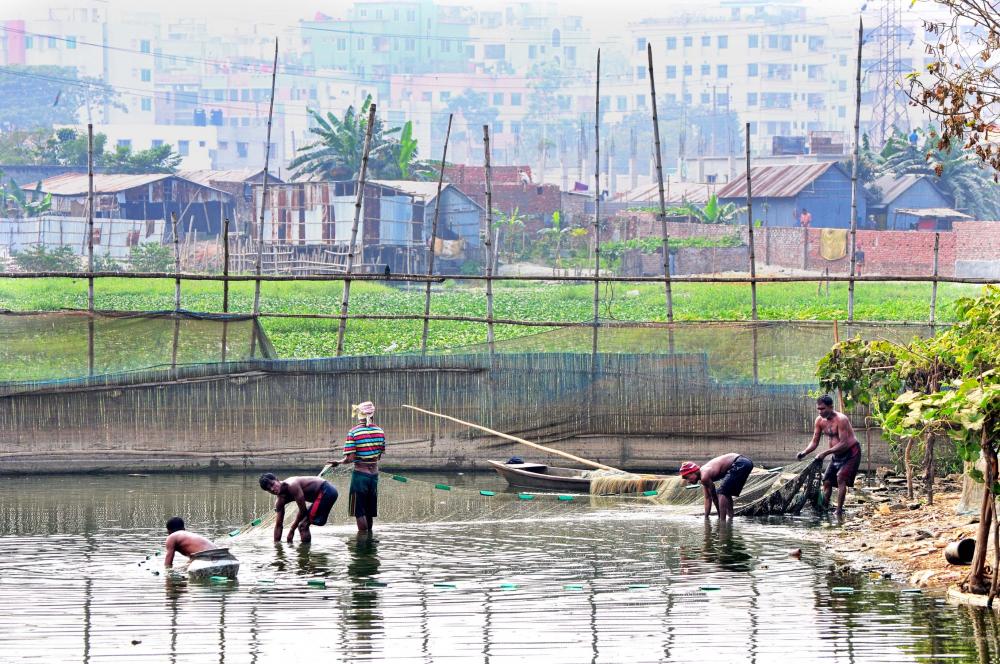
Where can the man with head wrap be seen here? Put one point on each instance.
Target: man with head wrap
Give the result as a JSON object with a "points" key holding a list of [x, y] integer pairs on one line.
{"points": [[364, 446]]}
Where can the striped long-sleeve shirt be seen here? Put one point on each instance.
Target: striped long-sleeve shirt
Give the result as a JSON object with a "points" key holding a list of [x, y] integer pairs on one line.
{"points": [[366, 442]]}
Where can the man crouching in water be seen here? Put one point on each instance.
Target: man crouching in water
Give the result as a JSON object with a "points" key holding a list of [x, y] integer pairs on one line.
{"points": [[183, 542], [733, 469], [300, 490], [844, 448]]}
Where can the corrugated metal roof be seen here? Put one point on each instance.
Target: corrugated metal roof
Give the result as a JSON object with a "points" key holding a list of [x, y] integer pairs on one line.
{"points": [[674, 192], [207, 177], [946, 213], [776, 181], [425, 190], [892, 187], [75, 184]]}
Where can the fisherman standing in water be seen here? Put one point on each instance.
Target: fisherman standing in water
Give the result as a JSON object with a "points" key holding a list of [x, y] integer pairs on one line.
{"points": [[364, 446], [300, 490], [733, 469], [844, 448]]}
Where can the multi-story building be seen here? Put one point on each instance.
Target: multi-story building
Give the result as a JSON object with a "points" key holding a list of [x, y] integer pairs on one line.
{"points": [[516, 38]]}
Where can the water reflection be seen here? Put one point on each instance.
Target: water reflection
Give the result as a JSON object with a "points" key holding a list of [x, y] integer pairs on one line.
{"points": [[600, 584]]}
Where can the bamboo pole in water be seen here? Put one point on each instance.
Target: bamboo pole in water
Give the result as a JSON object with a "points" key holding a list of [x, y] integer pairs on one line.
{"points": [[263, 192], [854, 176], [934, 283], [358, 201], [753, 259], [434, 230], [490, 340], [659, 179], [500, 434], [90, 217], [597, 206], [177, 262]]}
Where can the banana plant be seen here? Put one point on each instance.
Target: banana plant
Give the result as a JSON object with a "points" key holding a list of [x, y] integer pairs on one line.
{"points": [[712, 212]]}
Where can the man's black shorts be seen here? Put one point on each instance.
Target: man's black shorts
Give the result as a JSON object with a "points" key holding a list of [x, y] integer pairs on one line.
{"points": [[364, 495], [320, 509], [733, 481], [844, 467]]}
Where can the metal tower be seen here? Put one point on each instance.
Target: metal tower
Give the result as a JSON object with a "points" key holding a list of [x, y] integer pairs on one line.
{"points": [[889, 103]]}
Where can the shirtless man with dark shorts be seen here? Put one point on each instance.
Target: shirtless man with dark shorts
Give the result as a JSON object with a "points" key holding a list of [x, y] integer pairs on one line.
{"points": [[732, 469], [183, 542], [844, 448], [300, 490]]}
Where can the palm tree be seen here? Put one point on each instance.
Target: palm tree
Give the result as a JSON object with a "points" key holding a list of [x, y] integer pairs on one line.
{"points": [[711, 213], [336, 155]]}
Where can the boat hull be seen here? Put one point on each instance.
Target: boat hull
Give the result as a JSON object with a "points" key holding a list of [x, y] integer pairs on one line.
{"points": [[213, 562]]}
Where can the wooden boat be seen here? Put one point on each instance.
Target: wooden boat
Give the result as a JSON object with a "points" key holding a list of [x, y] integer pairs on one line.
{"points": [[213, 562], [542, 477]]}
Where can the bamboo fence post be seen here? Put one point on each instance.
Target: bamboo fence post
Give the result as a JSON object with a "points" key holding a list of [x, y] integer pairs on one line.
{"points": [[597, 206], [753, 260], [177, 262], [490, 339], [854, 175], [358, 201], [90, 218], [434, 230], [225, 266], [659, 179], [263, 193], [934, 283]]}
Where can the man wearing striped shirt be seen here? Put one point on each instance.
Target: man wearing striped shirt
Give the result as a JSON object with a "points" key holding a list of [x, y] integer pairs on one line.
{"points": [[364, 446]]}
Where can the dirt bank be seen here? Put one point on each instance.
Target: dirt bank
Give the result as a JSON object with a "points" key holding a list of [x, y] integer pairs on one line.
{"points": [[906, 538]]}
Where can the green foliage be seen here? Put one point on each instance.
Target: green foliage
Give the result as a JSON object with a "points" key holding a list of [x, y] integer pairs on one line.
{"points": [[68, 147], [42, 259], [151, 257], [161, 159], [30, 204], [711, 213], [650, 245], [107, 264], [47, 95]]}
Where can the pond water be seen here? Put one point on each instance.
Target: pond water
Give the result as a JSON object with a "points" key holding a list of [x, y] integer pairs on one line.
{"points": [[449, 576]]}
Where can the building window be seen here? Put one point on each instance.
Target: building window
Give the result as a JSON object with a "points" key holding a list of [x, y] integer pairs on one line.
{"points": [[493, 51], [445, 95], [570, 53], [515, 98], [640, 44], [786, 43], [640, 101], [411, 15], [671, 43], [640, 73], [245, 94], [361, 44], [125, 143], [688, 69], [532, 52], [146, 104], [687, 99], [752, 69], [706, 99], [445, 46], [223, 145], [410, 44], [622, 103], [28, 42], [146, 75], [706, 41], [144, 46], [378, 14], [342, 44], [723, 41], [722, 71], [753, 41], [688, 42], [772, 41], [241, 150], [157, 142], [498, 99], [751, 99], [183, 148], [425, 96], [706, 70], [722, 99], [71, 42], [671, 71], [753, 128], [498, 127], [515, 127], [556, 38], [52, 42]]}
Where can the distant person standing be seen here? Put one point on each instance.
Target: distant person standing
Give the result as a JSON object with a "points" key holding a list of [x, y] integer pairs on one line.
{"points": [[859, 260], [364, 446], [730, 470], [844, 448], [805, 218]]}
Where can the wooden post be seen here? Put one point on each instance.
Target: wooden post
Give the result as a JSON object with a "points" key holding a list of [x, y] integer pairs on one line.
{"points": [[225, 266], [490, 340], [434, 230], [659, 179], [597, 205], [753, 260], [934, 283], [358, 201], [90, 218], [263, 193], [177, 262], [854, 175]]}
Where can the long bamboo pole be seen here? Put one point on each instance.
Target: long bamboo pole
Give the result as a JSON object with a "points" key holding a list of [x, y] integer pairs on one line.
{"points": [[177, 261], [225, 266], [597, 205], [753, 259], [490, 249], [659, 179], [854, 175], [263, 193], [358, 202], [90, 217], [434, 230], [500, 434], [934, 284]]}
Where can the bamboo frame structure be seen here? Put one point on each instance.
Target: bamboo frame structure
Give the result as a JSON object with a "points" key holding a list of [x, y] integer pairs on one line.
{"points": [[90, 216], [434, 230], [490, 258], [263, 193], [597, 203], [664, 230], [753, 259], [934, 283], [854, 176]]}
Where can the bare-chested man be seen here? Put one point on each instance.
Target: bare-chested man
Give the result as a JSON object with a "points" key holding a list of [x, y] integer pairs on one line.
{"points": [[733, 469], [183, 542], [844, 448], [300, 490]]}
